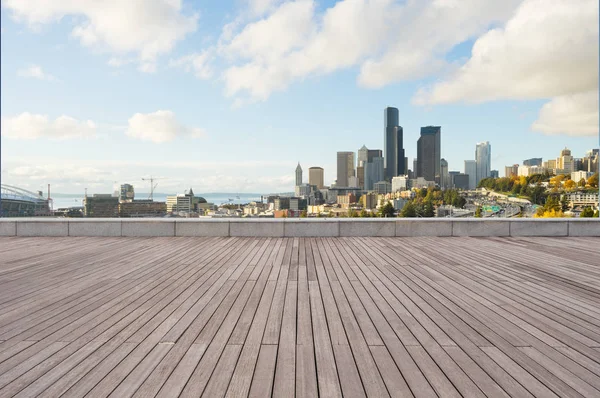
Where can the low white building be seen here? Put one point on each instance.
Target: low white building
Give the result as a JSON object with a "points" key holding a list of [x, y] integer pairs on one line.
{"points": [[400, 183]]}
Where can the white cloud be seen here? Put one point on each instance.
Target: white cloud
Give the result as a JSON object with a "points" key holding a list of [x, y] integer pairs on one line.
{"points": [[36, 72], [260, 7], [199, 63], [145, 28], [575, 114], [391, 41], [29, 126], [160, 126], [549, 49]]}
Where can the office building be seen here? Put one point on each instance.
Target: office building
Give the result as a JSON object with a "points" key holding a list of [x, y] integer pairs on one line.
{"points": [[345, 168], [363, 156], [429, 153], [565, 161], [374, 172], [101, 205], [142, 208], [590, 161], [483, 157], [369, 200], [393, 144], [281, 203], [382, 187], [471, 171], [184, 203], [494, 174], [461, 181], [532, 162], [297, 204], [316, 177], [451, 175], [298, 175], [302, 191], [127, 193], [511, 171], [399, 183], [444, 176]]}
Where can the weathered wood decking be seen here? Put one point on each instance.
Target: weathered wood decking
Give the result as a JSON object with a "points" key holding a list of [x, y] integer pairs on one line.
{"points": [[307, 317]]}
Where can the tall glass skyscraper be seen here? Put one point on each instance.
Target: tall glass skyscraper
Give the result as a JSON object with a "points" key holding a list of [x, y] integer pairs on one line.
{"points": [[483, 157], [429, 153], [393, 145]]}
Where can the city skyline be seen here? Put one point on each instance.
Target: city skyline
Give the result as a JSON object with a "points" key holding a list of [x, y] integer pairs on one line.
{"points": [[210, 100]]}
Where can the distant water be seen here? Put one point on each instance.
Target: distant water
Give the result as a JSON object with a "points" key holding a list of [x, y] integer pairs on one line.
{"points": [[66, 200]]}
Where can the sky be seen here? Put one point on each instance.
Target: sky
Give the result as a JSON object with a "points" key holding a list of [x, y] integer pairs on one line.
{"points": [[229, 95]]}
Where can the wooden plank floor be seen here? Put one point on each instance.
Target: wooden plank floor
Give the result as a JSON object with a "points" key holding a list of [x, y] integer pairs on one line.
{"points": [[305, 317]]}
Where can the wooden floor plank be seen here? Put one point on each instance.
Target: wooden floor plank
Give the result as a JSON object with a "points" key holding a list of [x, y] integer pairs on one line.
{"points": [[329, 317]]}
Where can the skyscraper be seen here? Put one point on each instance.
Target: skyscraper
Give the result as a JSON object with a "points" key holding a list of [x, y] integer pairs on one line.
{"points": [[315, 177], [393, 146], [444, 176], [298, 175], [374, 172], [429, 153], [363, 155], [483, 157], [345, 168], [471, 170]]}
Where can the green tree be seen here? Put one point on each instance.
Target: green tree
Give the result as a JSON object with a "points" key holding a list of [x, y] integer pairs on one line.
{"points": [[428, 210], [304, 214], [581, 183], [387, 210], [587, 213], [363, 213], [353, 214], [596, 214], [478, 212], [408, 210]]}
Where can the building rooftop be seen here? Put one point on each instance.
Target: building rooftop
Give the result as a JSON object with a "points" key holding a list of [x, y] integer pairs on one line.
{"points": [[421, 317]]}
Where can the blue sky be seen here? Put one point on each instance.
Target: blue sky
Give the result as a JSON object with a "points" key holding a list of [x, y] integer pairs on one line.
{"points": [[230, 95]]}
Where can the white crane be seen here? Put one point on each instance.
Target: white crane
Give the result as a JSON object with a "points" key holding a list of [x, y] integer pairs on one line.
{"points": [[152, 185]]}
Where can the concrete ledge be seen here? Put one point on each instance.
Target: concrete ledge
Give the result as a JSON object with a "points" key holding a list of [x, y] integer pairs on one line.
{"points": [[478, 227], [263, 228], [584, 227], [362, 227], [423, 227], [537, 227], [314, 227], [8, 228], [104, 227], [311, 228], [204, 227], [42, 227], [147, 227]]}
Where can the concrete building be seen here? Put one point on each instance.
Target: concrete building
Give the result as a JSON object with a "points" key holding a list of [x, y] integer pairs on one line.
{"points": [[353, 182], [316, 177], [590, 161], [532, 162], [142, 208], [363, 155], [511, 171], [400, 183], [184, 203], [281, 203], [483, 158], [374, 172], [579, 175], [494, 174], [393, 144], [360, 175], [127, 193], [369, 200], [101, 206], [297, 204], [461, 181], [444, 175], [345, 168], [429, 153], [471, 171], [303, 190], [346, 200], [382, 187], [565, 161], [298, 175]]}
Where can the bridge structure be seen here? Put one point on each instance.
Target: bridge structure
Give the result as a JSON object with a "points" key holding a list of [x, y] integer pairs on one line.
{"points": [[19, 202]]}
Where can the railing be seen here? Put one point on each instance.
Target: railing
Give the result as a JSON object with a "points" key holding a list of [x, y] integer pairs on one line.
{"points": [[319, 227]]}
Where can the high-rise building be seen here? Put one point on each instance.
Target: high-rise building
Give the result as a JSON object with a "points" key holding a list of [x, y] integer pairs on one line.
{"points": [[393, 144], [298, 175], [363, 155], [565, 161], [471, 171], [511, 171], [374, 172], [429, 153], [444, 176], [127, 193], [532, 162], [483, 157], [345, 168], [316, 177], [461, 181], [494, 174], [590, 161]]}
